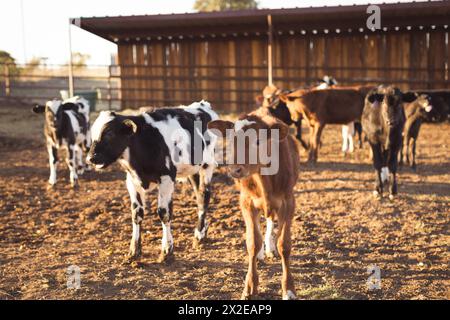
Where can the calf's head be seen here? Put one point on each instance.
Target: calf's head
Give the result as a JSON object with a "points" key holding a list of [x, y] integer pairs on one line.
{"points": [[293, 101], [424, 102], [390, 100], [110, 135], [252, 144], [270, 94]]}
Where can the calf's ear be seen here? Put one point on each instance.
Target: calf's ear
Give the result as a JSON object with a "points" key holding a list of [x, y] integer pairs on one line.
{"points": [[129, 127], [283, 130], [259, 100], [283, 97], [220, 126], [409, 96], [38, 108]]}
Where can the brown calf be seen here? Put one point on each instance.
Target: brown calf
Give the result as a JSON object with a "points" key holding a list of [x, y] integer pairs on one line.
{"points": [[327, 106], [271, 194]]}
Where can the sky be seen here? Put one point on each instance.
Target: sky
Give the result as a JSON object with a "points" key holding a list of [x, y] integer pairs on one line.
{"points": [[44, 32]]}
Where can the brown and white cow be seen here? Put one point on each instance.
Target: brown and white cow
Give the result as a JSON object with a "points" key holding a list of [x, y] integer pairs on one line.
{"points": [[271, 193], [321, 107]]}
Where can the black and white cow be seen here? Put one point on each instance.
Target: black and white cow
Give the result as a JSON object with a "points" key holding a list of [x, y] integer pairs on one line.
{"points": [[155, 148], [383, 120], [66, 126]]}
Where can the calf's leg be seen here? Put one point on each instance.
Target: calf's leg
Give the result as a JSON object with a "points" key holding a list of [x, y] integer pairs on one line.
{"points": [[298, 126], [254, 245], [392, 163], [203, 197], [413, 153], [407, 153], [79, 159], [166, 188], [137, 197], [317, 134], [53, 162], [377, 164], [71, 163], [284, 247]]}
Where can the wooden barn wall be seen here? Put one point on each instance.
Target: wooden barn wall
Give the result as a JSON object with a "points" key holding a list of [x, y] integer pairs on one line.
{"points": [[230, 72]]}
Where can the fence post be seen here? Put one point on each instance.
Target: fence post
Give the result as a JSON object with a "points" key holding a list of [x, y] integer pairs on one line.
{"points": [[109, 88], [7, 81], [269, 50], [71, 90]]}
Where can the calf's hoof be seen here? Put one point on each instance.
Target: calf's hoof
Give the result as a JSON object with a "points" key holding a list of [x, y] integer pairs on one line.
{"points": [[166, 258], [272, 255], [248, 296], [134, 253], [198, 243], [376, 194], [74, 185], [200, 236], [289, 295], [391, 196]]}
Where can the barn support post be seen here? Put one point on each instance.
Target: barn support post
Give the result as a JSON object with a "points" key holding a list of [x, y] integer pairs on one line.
{"points": [[269, 50], [70, 61]]}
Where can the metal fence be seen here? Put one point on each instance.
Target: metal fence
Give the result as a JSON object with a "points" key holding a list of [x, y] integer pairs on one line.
{"points": [[231, 88], [37, 84]]}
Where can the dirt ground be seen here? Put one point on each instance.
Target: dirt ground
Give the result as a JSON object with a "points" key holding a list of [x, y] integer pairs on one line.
{"points": [[340, 229]]}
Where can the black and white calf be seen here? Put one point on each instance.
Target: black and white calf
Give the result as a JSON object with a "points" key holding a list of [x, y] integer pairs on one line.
{"points": [[155, 148], [66, 126], [383, 120]]}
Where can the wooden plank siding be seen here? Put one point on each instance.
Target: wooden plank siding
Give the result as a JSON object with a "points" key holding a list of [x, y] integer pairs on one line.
{"points": [[231, 71]]}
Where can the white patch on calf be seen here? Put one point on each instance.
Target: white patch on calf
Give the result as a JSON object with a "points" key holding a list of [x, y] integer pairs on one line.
{"points": [[167, 239], [268, 239], [168, 163], [242, 123], [384, 174], [96, 129], [428, 108], [322, 86], [348, 131], [178, 142], [51, 160], [136, 232], [166, 188], [54, 105]]}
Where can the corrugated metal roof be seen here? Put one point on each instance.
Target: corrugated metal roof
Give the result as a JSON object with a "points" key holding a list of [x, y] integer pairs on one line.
{"points": [[253, 22]]}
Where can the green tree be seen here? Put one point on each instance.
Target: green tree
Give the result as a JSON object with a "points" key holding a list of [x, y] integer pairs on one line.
{"points": [[79, 59], [222, 5], [7, 58]]}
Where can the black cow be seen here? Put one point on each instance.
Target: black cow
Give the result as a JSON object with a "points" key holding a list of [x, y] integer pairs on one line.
{"points": [[383, 120], [66, 126], [415, 112], [154, 148]]}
